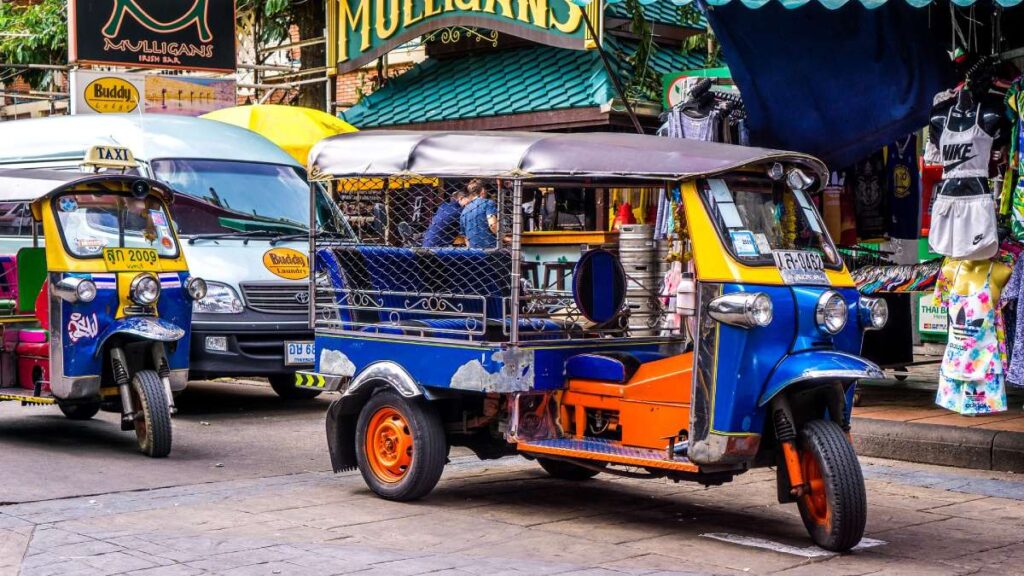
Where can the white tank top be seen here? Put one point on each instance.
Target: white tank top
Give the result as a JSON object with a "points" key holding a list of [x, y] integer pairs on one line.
{"points": [[965, 153]]}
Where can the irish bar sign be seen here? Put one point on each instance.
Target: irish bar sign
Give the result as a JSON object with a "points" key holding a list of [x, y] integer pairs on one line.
{"points": [[181, 34], [361, 30]]}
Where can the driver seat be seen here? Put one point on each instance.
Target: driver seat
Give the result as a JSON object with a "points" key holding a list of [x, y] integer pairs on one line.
{"points": [[611, 367]]}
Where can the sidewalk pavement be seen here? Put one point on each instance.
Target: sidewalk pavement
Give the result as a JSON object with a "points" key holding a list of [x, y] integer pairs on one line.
{"points": [[905, 424]]}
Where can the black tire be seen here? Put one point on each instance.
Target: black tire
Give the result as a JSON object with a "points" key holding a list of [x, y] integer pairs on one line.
{"points": [[284, 386], [152, 414], [835, 510], [80, 411], [568, 471], [426, 454]]}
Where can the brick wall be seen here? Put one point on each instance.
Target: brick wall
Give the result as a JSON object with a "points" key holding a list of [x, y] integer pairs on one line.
{"points": [[350, 84]]}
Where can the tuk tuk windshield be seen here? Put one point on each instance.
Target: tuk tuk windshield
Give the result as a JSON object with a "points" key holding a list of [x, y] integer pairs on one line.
{"points": [[88, 223], [757, 216]]}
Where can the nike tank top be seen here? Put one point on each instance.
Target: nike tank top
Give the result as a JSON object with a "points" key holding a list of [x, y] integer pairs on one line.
{"points": [[965, 153]]}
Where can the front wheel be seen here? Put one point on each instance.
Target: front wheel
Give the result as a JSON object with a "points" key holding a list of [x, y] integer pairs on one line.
{"points": [[834, 510], [400, 446], [152, 414], [81, 411], [284, 386]]}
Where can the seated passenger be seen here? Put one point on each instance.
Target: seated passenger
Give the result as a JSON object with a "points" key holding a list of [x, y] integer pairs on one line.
{"points": [[479, 219], [444, 226]]}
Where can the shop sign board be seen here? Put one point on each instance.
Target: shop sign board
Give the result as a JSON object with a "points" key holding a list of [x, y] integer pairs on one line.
{"points": [[359, 31], [931, 319], [179, 34], [111, 93]]}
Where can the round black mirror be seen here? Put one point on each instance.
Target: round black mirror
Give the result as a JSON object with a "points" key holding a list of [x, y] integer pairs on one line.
{"points": [[599, 286], [140, 189]]}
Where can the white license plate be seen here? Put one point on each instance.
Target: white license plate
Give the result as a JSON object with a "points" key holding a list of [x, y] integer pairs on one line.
{"points": [[798, 260], [299, 354]]}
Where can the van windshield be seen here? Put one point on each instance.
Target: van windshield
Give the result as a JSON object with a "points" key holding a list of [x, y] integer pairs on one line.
{"points": [[757, 216], [223, 197]]}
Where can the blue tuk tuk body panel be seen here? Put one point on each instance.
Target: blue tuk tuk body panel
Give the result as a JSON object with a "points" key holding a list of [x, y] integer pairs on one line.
{"points": [[87, 326]]}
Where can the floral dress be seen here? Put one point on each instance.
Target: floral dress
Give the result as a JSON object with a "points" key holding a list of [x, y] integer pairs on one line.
{"points": [[971, 379]]}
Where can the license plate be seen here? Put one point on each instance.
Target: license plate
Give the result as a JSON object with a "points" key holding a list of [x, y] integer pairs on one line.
{"points": [[798, 260], [799, 267], [131, 259], [299, 354]]}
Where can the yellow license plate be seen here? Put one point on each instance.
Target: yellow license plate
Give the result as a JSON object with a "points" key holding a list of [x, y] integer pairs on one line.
{"points": [[131, 259]]}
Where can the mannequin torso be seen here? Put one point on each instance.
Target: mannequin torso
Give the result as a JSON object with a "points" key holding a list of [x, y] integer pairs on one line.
{"points": [[969, 276]]}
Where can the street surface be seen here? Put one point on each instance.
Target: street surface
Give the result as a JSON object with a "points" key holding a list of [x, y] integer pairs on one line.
{"points": [[246, 491]]}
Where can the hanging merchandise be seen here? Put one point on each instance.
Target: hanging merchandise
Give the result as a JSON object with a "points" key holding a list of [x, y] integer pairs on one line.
{"points": [[831, 205], [963, 224], [897, 279], [1014, 293], [971, 378], [869, 198], [902, 187], [1012, 204], [707, 114]]}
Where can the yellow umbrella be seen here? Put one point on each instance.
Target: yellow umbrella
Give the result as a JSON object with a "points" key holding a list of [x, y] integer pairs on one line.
{"points": [[293, 128]]}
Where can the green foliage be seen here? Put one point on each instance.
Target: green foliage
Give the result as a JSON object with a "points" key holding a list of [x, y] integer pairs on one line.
{"points": [[34, 34], [274, 15], [644, 83]]}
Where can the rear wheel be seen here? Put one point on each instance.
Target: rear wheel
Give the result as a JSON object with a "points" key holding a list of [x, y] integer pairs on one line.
{"points": [[284, 385], [80, 411], [567, 470], [152, 414], [834, 510], [400, 446]]}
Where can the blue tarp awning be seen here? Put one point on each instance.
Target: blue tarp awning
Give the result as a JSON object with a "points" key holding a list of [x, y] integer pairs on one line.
{"points": [[838, 84]]}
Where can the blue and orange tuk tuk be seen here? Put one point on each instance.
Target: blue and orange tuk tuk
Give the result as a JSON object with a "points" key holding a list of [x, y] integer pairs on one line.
{"points": [[433, 345], [98, 301]]}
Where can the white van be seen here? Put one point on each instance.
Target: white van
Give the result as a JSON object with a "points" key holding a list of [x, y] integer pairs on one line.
{"points": [[241, 209]]}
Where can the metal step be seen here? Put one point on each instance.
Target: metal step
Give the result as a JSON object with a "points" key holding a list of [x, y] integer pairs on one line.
{"points": [[607, 451], [25, 396]]}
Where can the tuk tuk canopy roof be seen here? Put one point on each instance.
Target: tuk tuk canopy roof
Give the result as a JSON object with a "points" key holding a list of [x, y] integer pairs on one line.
{"points": [[29, 185], [534, 154]]}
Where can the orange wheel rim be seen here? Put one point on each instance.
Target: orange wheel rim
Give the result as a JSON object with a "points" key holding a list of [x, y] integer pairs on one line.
{"points": [[389, 445], [816, 499]]}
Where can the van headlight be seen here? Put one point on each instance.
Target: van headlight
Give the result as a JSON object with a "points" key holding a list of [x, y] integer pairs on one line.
{"points": [[831, 312], [874, 313], [746, 310], [145, 290], [219, 299], [196, 288]]}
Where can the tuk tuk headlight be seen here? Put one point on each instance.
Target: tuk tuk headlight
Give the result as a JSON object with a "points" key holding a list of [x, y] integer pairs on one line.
{"points": [[75, 290], [145, 289], [831, 312], [874, 313], [220, 299], [746, 309], [196, 288]]}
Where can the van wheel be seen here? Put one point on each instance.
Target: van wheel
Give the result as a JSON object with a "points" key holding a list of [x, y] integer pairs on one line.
{"points": [[567, 470], [80, 411], [152, 414], [834, 510], [284, 386], [400, 446]]}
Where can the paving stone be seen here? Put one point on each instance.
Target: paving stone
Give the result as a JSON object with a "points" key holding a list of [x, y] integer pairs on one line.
{"points": [[173, 570], [117, 562]]}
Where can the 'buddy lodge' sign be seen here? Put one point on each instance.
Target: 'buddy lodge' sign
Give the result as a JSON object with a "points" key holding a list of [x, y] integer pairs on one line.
{"points": [[361, 30]]}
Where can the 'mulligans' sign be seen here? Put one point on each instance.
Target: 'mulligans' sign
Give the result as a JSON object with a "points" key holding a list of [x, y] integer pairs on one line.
{"points": [[185, 34], [361, 30]]}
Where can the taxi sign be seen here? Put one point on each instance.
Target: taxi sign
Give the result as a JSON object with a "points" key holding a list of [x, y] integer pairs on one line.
{"points": [[131, 259], [110, 157]]}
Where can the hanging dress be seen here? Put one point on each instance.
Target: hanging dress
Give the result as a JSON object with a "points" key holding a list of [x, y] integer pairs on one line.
{"points": [[971, 379]]}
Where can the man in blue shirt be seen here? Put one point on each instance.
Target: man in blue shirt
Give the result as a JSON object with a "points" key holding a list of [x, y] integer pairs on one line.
{"points": [[444, 226], [479, 219]]}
